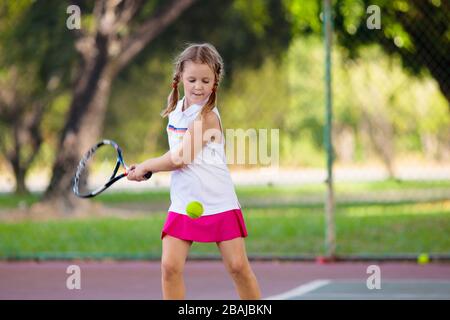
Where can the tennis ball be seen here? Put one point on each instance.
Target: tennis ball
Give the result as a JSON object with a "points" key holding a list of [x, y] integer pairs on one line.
{"points": [[194, 209], [423, 258]]}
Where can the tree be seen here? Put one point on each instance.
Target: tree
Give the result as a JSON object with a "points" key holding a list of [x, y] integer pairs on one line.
{"points": [[416, 30], [20, 118], [24, 99], [113, 41]]}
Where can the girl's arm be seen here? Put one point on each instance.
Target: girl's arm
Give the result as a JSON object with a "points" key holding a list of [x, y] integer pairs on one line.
{"points": [[200, 131]]}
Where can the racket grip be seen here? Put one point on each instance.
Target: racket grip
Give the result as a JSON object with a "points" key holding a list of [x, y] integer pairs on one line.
{"points": [[148, 175]]}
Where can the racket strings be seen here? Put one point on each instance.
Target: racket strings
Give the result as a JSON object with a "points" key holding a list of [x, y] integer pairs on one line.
{"points": [[96, 168]]}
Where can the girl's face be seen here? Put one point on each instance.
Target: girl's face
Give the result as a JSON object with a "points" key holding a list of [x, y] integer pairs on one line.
{"points": [[198, 82]]}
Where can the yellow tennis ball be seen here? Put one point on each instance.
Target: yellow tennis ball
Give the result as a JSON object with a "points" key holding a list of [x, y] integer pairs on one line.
{"points": [[423, 258], [194, 209]]}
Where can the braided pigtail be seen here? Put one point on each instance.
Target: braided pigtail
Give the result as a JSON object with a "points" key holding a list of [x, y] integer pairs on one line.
{"points": [[218, 74], [211, 103], [172, 100]]}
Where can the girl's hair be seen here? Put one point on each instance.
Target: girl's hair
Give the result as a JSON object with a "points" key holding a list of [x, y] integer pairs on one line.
{"points": [[197, 53]]}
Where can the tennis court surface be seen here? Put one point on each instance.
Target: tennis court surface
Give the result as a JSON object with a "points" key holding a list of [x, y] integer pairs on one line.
{"points": [[208, 280]]}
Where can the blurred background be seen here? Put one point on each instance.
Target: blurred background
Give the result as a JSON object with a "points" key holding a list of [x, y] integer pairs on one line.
{"points": [[65, 84]]}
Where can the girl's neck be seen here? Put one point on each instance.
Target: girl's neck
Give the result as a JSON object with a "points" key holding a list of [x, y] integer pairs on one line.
{"points": [[187, 104]]}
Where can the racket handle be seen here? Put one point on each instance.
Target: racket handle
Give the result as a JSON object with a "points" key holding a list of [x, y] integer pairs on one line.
{"points": [[148, 175]]}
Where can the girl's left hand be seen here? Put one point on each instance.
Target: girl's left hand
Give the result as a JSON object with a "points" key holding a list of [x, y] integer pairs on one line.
{"points": [[137, 172]]}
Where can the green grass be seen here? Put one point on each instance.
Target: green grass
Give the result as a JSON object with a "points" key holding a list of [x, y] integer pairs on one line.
{"points": [[376, 229], [275, 228], [10, 200], [341, 188], [250, 192]]}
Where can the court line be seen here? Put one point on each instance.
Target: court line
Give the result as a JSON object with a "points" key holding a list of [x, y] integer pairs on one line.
{"points": [[301, 290], [379, 296]]}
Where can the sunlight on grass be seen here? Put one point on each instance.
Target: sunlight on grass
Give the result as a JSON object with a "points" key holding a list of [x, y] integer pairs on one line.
{"points": [[161, 195], [369, 229], [425, 209]]}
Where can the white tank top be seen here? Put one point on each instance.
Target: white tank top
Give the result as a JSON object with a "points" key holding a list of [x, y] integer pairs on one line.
{"points": [[207, 179]]}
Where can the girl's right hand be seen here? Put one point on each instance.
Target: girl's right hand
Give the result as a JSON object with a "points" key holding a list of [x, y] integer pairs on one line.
{"points": [[130, 175]]}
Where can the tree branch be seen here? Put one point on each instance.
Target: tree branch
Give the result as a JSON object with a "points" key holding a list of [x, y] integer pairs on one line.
{"points": [[130, 7], [134, 44]]}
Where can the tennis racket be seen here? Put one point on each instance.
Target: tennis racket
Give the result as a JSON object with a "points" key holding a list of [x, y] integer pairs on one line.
{"points": [[98, 168]]}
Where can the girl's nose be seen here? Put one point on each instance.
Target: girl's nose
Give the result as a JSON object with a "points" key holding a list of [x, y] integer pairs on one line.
{"points": [[197, 85]]}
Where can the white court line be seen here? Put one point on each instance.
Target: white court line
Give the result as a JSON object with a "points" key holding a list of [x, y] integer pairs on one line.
{"points": [[301, 290]]}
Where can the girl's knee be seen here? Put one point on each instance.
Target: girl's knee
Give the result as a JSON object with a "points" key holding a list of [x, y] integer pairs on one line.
{"points": [[171, 269], [238, 267]]}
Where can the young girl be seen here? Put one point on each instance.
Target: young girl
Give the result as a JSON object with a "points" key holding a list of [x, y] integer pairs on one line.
{"points": [[199, 173]]}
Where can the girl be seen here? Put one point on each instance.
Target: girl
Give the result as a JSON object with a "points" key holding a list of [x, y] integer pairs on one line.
{"points": [[199, 173]]}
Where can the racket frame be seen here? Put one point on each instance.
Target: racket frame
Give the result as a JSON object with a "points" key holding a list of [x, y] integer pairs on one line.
{"points": [[82, 164]]}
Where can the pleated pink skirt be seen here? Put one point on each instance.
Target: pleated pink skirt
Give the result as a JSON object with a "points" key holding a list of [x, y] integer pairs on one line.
{"points": [[212, 228]]}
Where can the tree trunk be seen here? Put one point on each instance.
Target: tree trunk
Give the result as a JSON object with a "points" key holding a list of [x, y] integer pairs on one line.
{"points": [[83, 127], [19, 174], [21, 188], [344, 142], [14, 157], [380, 132], [79, 138]]}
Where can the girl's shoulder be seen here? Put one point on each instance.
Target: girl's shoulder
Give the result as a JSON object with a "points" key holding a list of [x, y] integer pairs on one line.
{"points": [[212, 115], [177, 109], [216, 111]]}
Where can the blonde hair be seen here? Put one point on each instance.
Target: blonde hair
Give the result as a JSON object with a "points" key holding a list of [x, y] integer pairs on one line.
{"points": [[197, 53]]}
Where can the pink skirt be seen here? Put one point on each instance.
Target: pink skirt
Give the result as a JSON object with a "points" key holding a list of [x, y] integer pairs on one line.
{"points": [[213, 228]]}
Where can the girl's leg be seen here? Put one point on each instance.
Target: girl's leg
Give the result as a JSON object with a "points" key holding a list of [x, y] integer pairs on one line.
{"points": [[174, 253], [236, 261]]}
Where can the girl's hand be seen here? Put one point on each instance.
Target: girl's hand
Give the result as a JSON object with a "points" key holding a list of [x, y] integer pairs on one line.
{"points": [[137, 172], [130, 175]]}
